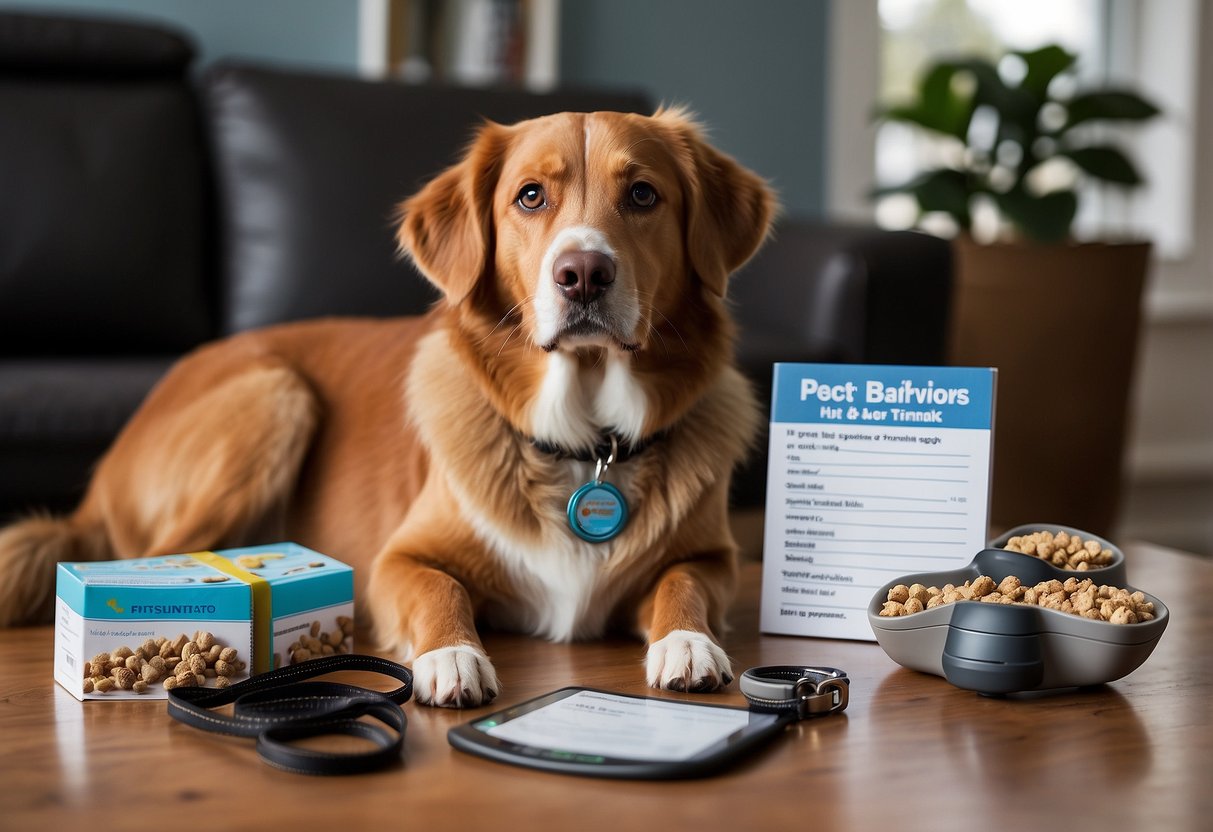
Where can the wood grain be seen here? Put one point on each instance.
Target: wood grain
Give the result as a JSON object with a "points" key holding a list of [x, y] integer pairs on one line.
{"points": [[911, 751]]}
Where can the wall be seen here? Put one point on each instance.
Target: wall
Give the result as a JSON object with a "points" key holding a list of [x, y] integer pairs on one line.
{"points": [[755, 73], [315, 33], [1169, 494]]}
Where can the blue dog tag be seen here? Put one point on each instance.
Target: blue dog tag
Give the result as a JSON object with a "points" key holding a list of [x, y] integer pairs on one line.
{"points": [[597, 511]]}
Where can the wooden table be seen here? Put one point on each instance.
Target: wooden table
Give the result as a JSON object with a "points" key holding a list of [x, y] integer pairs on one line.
{"points": [[911, 752]]}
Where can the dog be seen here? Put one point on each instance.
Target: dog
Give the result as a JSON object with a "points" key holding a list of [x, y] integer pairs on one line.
{"points": [[582, 338]]}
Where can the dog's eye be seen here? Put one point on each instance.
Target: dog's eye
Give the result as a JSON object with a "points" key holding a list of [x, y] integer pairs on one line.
{"points": [[531, 197], [642, 195]]}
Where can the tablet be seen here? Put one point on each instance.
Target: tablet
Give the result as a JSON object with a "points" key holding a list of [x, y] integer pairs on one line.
{"points": [[601, 734]]}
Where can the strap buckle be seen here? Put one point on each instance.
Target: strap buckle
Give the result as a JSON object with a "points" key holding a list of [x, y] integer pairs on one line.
{"points": [[820, 692]]}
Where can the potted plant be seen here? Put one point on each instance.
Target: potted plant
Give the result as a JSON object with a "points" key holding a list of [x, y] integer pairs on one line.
{"points": [[1058, 318]]}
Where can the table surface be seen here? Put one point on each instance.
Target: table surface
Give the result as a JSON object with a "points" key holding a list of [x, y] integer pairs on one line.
{"points": [[911, 751]]}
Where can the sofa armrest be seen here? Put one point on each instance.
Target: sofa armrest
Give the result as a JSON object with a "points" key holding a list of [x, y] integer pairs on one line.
{"points": [[820, 292]]}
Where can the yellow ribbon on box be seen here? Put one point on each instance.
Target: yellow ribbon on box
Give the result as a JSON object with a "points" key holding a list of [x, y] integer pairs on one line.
{"points": [[262, 621]]}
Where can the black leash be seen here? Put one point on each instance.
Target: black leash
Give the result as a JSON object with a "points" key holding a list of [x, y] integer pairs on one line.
{"points": [[279, 708]]}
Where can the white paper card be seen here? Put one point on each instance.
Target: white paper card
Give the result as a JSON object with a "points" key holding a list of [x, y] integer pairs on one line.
{"points": [[874, 472]]}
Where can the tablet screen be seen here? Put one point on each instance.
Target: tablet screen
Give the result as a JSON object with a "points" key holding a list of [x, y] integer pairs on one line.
{"points": [[601, 724]]}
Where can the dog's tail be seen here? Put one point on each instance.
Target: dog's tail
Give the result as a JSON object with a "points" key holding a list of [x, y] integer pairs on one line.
{"points": [[29, 550]]}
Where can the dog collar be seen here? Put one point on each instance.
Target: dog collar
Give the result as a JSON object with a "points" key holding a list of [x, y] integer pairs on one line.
{"points": [[609, 443], [804, 691]]}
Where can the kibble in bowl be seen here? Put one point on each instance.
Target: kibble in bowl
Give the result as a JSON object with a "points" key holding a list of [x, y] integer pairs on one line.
{"points": [[1010, 622], [1067, 548]]}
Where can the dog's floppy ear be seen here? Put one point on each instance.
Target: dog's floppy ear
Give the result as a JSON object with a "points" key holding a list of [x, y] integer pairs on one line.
{"points": [[729, 208], [447, 227]]}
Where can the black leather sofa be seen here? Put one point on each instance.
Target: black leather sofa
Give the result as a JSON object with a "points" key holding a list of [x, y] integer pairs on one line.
{"points": [[144, 210]]}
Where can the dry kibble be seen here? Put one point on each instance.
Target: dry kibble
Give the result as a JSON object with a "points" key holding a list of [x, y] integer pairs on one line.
{"points": [[139, 686], [1063, 550], [103, 685], [228, 654], [124, 677], [170, 683], [205, 641], [1080, 597], [315, 630], [984, 585], [222, 682], [197, 663], [88, 685], [1009, 585], [223, 668]]}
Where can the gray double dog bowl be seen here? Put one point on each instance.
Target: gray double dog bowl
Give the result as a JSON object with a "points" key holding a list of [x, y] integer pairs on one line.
{"points": [[1009, 648]]}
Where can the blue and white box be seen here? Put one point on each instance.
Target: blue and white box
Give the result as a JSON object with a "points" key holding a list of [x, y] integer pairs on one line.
{"points": [[260, 600]]}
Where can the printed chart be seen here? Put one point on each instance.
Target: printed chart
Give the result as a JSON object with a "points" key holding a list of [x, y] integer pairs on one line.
{"points": [[874, 472]]}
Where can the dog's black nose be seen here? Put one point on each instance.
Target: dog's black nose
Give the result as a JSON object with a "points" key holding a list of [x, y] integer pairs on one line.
{"points": [[583, 275]]}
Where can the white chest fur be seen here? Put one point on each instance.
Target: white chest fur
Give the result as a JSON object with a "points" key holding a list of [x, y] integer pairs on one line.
{"points": [[558, 579], [575, 405], [561, 578]]}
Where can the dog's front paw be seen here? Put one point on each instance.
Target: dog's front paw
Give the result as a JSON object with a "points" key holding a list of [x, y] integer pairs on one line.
{"points": [[688, 661], [454, 677]]}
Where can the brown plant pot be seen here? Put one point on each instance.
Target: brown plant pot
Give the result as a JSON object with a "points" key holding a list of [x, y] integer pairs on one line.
{"points": [[1060, 322]]}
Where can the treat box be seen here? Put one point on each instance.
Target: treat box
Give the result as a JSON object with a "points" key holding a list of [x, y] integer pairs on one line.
{"points": [[270, 603], [1008, 648]]}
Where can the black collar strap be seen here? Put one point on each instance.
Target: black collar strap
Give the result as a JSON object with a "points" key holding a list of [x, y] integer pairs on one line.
{"points": [[278, 708], [624, 449]]}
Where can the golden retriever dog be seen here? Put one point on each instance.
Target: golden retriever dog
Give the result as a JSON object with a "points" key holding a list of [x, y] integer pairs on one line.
{"points": [[582, 337]]}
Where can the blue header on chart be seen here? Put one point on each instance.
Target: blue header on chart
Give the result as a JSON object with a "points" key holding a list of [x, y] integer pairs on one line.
{"points": [[863, 394]]}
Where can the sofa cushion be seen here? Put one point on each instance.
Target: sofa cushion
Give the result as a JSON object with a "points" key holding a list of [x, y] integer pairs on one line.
{"points": [[311, 169], [103, 199]]}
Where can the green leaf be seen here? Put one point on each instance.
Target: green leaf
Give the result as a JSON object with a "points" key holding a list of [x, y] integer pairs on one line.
{"points": [[1110, 105], [1046, 218], [1044, 65], [938, 107], [943, 189], [1017, 108], [1104, 162]]}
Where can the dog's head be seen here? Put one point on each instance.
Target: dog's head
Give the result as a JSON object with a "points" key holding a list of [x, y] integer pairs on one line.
{"points": [[589, 230]]}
